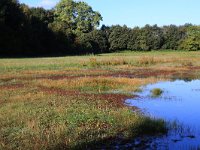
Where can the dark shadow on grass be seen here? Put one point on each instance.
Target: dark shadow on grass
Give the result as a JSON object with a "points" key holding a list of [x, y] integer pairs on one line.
{"points": [[147, 127]]}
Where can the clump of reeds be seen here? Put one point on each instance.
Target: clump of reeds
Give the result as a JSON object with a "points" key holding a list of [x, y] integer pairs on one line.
{"points": [[144, 61], [156, 92], [93, 62]]}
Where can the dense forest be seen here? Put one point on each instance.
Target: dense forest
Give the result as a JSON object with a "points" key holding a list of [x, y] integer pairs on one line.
{"points": [[72, 28]]}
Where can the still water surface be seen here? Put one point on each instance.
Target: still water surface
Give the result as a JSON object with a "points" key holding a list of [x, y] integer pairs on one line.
{"points": [[180, 103]]}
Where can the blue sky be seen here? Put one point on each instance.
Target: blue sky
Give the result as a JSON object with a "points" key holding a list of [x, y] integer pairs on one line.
{"points": [[139, 12]]}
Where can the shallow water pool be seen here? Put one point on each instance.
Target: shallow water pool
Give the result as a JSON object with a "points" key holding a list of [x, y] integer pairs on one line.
{"points": [[180, 106]]}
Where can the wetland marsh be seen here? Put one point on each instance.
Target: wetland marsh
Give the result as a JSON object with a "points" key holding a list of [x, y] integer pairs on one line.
{"points": [[78, 102]]}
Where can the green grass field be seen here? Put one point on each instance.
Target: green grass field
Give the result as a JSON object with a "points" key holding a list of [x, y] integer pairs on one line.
{"points": [[78, 102]]}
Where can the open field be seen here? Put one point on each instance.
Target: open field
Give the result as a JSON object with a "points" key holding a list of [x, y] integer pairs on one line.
{"points": [[78, 102]]}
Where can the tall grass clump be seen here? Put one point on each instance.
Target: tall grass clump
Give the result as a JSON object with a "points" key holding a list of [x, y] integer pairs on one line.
{"points": [[93, 62], [145, 61], [156, 92]]}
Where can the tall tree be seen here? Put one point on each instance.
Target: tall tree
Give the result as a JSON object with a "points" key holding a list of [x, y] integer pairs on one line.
{"points": [[119, 37], [154, 37], [77, 16], [133, 41], [11, 24], [172, 36], [192, 39], [93, 42]]}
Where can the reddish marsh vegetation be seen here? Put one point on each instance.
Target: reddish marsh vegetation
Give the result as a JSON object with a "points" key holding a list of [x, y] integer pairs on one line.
{"points": [[71, 104]]}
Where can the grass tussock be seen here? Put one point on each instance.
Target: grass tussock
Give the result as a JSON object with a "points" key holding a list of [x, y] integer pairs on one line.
{"points": [[146, 61], [156, 92]]}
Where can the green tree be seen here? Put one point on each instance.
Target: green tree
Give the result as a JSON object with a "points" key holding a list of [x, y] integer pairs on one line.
{"points": [[172, 36], [154, 37], [77, 16], [192, 40], [119, 37], [146, 38], [7, 9], [93, 42], [133, 43], [11, 25]]}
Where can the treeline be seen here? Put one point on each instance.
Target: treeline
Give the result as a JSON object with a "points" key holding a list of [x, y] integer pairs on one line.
{"points": [[71, 28], [186, 37]]}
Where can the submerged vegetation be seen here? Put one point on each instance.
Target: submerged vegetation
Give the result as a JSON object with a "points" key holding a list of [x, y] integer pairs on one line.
{"points": [[58, 103]]}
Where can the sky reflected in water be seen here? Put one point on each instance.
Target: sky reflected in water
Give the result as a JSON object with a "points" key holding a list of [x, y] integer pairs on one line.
{"points": [[180, 102]]}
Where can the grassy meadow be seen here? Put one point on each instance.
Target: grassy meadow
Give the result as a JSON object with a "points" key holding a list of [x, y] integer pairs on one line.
{"points": [[77, 102]]}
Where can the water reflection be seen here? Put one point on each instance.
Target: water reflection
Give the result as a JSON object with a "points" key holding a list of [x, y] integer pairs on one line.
{"points": [[180, 105]]}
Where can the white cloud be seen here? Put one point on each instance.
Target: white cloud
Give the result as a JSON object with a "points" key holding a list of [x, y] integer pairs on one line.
{"points": [[47, 3]]}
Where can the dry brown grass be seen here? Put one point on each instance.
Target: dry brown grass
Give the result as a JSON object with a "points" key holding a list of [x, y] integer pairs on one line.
{"points": [[93, 62], [99, 84]]}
